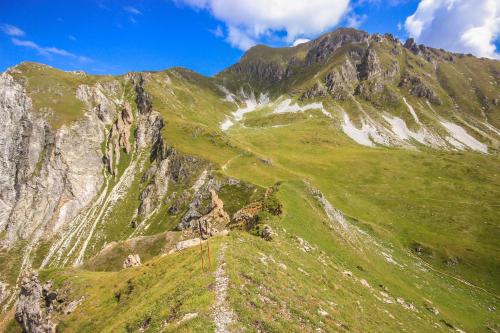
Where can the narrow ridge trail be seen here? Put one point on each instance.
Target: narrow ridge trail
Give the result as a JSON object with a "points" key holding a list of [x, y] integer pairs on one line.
{"points": [[223, 315]]}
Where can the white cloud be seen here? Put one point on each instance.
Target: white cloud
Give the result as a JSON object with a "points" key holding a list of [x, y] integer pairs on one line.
{"points": [[467, 26], [132, 10], [12, 30], [249, 21], [300, 41], [48, 51], [355, 21]]}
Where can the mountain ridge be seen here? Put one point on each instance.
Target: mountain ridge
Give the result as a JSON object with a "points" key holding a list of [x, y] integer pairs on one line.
{"points": [[333, 180]]}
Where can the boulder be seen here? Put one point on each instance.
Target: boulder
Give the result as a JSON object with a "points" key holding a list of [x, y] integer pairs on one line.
{"points": [[267, 232], [186, 244], [133, 260]]}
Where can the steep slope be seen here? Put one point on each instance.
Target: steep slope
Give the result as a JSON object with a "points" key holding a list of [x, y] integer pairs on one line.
{"points": [[359, 177]]}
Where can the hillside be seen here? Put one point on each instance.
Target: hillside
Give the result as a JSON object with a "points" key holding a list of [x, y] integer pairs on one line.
{"points": [[350, 183]]}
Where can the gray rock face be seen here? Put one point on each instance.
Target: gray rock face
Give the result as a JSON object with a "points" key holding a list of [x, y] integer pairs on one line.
{"points": [[419, 89], [197, 208], [46, 176], [31, 311], [342, 81], [370, 66], [18, 153], [317, 90], [119, 138], [169, 167]]}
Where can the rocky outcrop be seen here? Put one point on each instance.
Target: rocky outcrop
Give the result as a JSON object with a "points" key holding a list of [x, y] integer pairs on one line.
{"points": [[149, 123], [215, 219], [370, 66], [317, 90], [342, 81], [417, 88], [132, 260], [119, 138], [325, 46], [246, 216], [169, 167], [198, 206], [411, 45], [33, 307]]}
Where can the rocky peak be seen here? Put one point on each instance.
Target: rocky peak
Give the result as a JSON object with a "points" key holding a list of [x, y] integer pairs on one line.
{"points": [[411, 45], [326, 45]]}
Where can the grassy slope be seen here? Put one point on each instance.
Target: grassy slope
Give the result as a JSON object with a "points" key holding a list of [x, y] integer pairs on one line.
{"points": [[276, 287]]}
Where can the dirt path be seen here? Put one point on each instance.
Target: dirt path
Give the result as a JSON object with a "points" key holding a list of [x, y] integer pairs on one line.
{"points": [[223, 315], [224, 167]]}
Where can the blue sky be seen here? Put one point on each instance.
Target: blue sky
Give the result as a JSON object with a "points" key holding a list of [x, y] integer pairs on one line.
{"points": [[114, 37]]}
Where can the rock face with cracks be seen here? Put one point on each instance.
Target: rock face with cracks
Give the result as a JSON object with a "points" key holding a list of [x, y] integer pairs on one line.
{"points": [[31, 310]]}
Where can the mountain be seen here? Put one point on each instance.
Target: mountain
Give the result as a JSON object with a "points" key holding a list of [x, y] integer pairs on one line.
{"points": [[350, 183]]}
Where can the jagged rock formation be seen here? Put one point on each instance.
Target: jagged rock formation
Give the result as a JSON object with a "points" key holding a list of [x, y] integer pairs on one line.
{"points": [[119, 138], [217, 217], [132, 260], [198, 206], [417, 88], [32, 310], [342, 81]]}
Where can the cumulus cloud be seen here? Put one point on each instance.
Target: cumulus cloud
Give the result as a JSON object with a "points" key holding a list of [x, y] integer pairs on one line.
{"points": [[12, 30], [48, 51], [249, 21], [467, 26]]}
